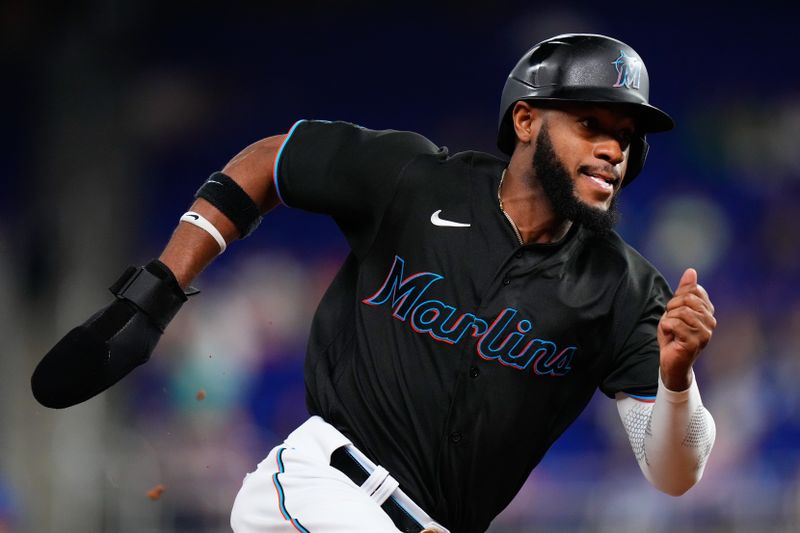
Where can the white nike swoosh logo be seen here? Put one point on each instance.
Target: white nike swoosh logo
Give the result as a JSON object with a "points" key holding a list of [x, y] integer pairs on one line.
{"points": [[438, 221]]}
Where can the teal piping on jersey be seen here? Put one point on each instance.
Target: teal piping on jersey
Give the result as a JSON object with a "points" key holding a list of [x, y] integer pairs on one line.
{"points": [[646, 399], [278, 158], [282, 497]]}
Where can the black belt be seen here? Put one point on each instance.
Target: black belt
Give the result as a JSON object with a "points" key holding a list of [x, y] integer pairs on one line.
{"points": [[344, 462]]}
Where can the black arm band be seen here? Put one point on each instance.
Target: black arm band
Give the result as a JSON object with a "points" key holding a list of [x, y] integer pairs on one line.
{"points": [[226, 195]]}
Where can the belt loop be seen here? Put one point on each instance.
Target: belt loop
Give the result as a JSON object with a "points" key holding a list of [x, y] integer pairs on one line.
{"points": [[386, 489], [374, 480]]}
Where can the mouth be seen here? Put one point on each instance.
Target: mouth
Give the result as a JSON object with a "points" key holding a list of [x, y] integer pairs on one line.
{"points": [[604, 181]]}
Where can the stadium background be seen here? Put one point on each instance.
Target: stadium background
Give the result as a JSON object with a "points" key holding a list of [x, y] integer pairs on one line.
{"points": [[113, 112]]}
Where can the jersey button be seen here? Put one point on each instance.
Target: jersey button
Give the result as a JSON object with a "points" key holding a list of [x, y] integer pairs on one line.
{"points": [[455, 437], [506, 281], [518, 255], [474, 372]]}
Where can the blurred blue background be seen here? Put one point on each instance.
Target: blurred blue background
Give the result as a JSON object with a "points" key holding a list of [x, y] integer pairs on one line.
{"points": [[115, 111]]}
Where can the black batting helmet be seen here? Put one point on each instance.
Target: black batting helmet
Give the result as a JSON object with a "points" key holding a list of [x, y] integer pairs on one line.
{"points": [[590, 68]]}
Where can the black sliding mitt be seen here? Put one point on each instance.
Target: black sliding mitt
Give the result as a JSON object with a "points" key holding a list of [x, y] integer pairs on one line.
{"points": [[113, 341]]}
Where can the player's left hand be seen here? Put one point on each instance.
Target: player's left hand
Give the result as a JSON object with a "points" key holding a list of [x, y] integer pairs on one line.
{"points": [[684, 330]]}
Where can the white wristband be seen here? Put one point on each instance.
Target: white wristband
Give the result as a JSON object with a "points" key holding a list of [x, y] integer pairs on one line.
{"points": [[202, 222]]}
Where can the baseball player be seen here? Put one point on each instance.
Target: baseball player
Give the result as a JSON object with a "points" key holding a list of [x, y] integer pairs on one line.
{"points": [[483, 302]]}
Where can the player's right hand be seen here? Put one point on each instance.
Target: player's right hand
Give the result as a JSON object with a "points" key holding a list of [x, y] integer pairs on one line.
{"points": [[112, 342]]}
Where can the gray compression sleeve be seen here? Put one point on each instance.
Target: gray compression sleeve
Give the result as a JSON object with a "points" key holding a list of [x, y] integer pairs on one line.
{"points": [[671, 437]]}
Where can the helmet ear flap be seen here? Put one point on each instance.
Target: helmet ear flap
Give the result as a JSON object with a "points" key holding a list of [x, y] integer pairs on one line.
{"points": [[636, 158]]}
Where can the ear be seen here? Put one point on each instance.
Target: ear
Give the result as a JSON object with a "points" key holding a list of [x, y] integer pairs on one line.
{"points": [[525, 120]]}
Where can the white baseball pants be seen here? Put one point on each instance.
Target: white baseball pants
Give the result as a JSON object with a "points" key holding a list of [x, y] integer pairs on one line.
{"points": [[296, 489]]}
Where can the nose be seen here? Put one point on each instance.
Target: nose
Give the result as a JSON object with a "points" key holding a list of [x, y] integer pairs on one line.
{"points": [[610, 149]]}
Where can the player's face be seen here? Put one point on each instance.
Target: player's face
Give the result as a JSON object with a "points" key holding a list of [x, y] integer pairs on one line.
{"points": [[593, 143]]}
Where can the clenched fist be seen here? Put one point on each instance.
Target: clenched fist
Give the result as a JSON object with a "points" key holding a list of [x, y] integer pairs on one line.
{"points": [[684, 330]]}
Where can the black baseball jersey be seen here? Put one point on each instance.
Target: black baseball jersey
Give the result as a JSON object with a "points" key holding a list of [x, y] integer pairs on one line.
{"points": [[448, 352]]}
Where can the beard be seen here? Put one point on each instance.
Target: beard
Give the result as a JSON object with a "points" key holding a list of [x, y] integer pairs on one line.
{"points": [[559, 188]]}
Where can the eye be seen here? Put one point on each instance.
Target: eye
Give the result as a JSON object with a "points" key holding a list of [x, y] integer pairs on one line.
{"points": [[590, 123], [625, 136]]}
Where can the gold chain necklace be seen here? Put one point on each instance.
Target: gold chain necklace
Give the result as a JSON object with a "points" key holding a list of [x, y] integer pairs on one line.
{"points": [[500, 200]]}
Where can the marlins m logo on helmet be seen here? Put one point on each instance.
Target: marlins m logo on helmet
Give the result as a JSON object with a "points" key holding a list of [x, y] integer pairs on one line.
{"points": [[629, 71]]}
